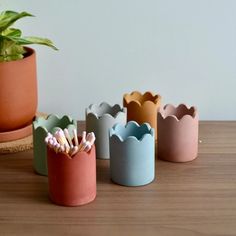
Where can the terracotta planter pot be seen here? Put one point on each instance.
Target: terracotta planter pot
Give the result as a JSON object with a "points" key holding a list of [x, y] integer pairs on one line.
{"points": [[99, 119], [132, 158], [18, 92], [142, 108], [177, 133], [41, 127], [72, 181]]}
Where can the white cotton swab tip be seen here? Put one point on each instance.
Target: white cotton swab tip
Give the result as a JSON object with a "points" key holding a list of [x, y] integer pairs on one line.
{"points": [[91, 138], [49, 136], [87, 147]]}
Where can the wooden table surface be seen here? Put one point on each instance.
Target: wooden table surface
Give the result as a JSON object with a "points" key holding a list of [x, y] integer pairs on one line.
{"points": [[196, 198]]}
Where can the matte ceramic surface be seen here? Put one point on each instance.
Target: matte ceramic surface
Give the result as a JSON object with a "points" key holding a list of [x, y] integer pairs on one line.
{"points": [[177, 133], [40, 128], [72, 181], [18, 92], [132, 154], [99, 119], [142, 107], [16, 134]]}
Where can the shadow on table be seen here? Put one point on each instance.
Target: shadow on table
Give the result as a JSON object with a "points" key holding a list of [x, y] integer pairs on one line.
{"points": [[103, 172]]}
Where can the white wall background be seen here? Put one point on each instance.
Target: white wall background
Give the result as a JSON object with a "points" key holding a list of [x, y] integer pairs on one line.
{"points": [[184, 50]]}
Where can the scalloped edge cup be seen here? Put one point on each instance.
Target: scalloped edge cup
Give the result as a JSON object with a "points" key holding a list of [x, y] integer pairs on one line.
{"points": [[132, 154], [177, 133], [99, 119], [142, 108], [41, 126], [72, 181]]}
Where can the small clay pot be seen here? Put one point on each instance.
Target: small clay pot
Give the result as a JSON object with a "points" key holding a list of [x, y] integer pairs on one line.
{"points": [[41, 127], [177, 133], [132, 154], [142, 107], [72, 181], [99, 119], [18, 92]]}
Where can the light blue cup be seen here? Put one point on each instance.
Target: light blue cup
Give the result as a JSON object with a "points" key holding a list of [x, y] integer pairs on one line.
{"points": [[132, 154], [41, 127]]}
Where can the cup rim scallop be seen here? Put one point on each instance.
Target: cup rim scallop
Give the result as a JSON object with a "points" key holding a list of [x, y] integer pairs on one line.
{"points": [[155, 101], [193, 116], [49, 117], [113, 132], [90, 111]]}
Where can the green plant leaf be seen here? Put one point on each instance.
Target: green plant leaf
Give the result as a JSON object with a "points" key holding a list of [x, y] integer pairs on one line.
{"points": [[12, 32], [9, 50], [12, 57], [7, 18], [11, 40], [36, 40], [5, 43]]}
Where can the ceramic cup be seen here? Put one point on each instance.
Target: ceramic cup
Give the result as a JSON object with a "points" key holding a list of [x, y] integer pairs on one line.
{"points": [[72, 181], [177, 133], [99, 119], [41, 127], [142, 107], [132, 154]]}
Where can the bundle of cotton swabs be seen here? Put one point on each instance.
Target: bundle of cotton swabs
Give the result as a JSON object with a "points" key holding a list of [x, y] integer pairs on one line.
{"points": [[61, 141]]}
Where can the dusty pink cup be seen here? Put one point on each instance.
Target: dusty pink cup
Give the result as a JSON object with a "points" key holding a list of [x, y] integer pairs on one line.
{"points": [[177, 133]]}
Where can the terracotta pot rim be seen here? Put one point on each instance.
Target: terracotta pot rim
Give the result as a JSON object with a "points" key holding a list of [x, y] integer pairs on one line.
{"points": [[29, 53], [188, 112], [132, 98]]}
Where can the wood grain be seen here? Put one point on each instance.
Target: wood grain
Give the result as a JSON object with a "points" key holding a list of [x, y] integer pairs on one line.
{"points": [[196, 198]]}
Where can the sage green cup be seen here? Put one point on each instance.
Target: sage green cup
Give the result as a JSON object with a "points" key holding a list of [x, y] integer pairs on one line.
{"points": [[41, 127]]}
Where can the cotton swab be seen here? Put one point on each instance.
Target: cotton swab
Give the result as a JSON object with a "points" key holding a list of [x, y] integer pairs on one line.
{"points": [[74, 150], [62, 148], [56, 145], [60, 136], [87, 146], [49, 135], [75, 137], [83, 146], [83, 141], [61, 141], [66, 132], [91, 138]]}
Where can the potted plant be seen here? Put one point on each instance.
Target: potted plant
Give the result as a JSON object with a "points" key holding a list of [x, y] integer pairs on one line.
{"points": [[18, 82]]}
